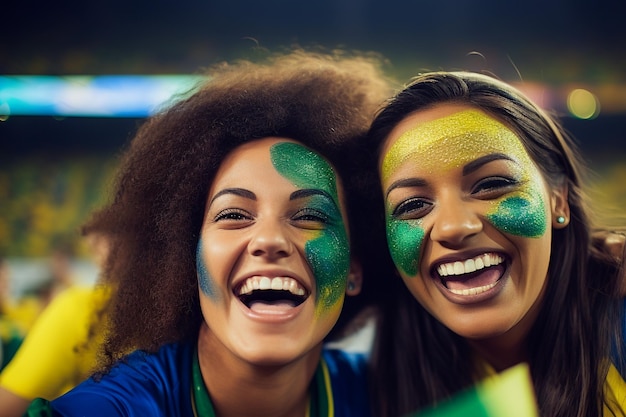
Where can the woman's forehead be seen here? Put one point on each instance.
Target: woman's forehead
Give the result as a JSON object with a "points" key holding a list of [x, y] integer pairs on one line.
{"points": [[447, 140]]}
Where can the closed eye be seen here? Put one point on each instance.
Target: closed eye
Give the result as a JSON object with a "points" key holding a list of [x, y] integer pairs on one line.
{"points": [[310, 218], [232, 214]]}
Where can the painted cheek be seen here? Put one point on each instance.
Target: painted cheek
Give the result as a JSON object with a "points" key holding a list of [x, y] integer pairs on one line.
{"points": [[329, 258], [328, 254], [522, 215], [205, 281], [405, 239]]}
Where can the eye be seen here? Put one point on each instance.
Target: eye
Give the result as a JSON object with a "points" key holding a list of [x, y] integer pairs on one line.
{"points": [[492, 187], [232, 214], [412, 208], [310, 216]]}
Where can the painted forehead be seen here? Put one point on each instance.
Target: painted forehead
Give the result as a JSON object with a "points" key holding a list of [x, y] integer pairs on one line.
{"points": [[451, 142], [304, 167]]}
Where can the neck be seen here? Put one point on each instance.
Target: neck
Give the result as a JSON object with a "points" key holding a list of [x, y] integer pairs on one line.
{"points": [[507, 349], [238, 387], [500, 354]]}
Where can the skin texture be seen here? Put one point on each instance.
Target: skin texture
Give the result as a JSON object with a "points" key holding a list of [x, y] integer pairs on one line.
{"points": [[264, 221], [442, 207]]}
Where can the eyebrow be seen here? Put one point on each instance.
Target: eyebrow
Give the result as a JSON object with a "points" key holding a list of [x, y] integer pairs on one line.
{"points": [[479, 162], [467, 169], [406, 182], [307, 192], [241, 192]]}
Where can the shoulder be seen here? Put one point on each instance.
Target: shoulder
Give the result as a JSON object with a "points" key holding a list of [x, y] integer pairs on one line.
{"points": [[72, 302], [154, 384], [347, 372]]}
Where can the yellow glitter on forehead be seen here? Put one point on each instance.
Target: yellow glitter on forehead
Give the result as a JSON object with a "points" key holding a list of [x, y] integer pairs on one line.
{"points": [[451, 142]]}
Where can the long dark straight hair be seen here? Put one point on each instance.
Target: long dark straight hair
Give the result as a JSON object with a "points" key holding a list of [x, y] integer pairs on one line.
{"points": [[417, 361]]}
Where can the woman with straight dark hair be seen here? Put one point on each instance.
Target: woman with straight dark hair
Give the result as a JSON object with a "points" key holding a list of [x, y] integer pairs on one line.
{"points": [[490, 229]]}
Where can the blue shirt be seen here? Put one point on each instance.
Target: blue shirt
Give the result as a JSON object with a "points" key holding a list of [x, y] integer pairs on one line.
{"points": [[159, 385]]}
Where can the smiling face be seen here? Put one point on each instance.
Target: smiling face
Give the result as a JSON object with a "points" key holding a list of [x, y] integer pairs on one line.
{"points": [[468, 220], [273, 256]]}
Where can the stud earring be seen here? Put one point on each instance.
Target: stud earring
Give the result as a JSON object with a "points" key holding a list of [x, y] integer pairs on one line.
{"points": [[560, 220], [351, 286]]}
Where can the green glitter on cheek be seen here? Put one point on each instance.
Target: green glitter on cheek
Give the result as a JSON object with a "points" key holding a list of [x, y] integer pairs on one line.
{"points": [[329, 253], [205, 280], [405, 239], [329, 258], [521, 215]]}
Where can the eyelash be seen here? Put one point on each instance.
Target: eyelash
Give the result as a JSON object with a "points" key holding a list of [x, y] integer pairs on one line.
{"points": [[311, 215], [493, 186], [412, 208], [232, 214], [307, 215]]}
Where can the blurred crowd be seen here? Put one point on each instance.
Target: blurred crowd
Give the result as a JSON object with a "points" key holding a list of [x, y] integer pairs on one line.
{"points": [[20, 310]]}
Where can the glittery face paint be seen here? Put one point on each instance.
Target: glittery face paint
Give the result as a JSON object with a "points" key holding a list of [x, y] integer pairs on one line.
{"points": [[273, 216], [405, 241], [328, 250], [204, 277], [449, 143]]}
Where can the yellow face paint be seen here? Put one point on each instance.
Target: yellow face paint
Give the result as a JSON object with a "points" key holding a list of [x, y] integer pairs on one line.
{"points": [[449, 143]]}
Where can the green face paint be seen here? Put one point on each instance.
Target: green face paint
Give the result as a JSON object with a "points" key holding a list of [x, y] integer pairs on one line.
{"points": [[204, 277], [328, 252], [405, 240], [523, 215], [448, 143]]}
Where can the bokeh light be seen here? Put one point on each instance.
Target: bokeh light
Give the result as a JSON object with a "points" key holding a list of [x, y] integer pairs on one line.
{"points": [[583, 104]]}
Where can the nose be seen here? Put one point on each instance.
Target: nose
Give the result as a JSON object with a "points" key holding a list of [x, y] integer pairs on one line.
{"points": [[455, 221], [269, 239]]}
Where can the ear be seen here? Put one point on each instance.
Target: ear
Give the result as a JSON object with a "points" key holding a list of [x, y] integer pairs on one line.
{"points": [[560, 207], [355, 278]]}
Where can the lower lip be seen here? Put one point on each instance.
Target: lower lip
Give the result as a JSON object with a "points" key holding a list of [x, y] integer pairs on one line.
{"points": [[271, 315], [476, 298]]}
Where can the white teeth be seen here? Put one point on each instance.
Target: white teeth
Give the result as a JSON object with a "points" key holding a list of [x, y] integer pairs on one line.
{"points": [[470, 265], [473, 291], [479, 263], [277, 284], [265, 283]]}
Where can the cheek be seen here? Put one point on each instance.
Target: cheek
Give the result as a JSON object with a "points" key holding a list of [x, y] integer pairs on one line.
{"points": [[521, 215], [205, 281], [405, 241], [329, 258]]}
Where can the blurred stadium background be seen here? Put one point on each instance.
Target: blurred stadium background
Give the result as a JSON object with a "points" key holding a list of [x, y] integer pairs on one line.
{"points": [[60, 134]]}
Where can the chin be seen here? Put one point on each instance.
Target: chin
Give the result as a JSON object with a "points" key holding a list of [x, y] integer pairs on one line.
{"points": [[475, 334], [477, 330], [272, 357]]}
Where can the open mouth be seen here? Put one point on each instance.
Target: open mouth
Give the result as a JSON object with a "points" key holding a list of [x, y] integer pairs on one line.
{"points": [[473, 276], [281, 292]]}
